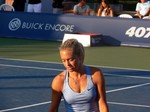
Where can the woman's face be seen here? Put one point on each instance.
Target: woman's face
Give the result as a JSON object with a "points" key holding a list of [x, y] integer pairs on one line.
{"points": [[142, 1], [70, 61], [104, 4], [82, 3]]}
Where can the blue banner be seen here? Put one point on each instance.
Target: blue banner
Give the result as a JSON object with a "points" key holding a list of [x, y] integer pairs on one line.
{"points": [[44, 26]]}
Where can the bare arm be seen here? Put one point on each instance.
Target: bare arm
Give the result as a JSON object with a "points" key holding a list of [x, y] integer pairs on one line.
{"points": [[75, 13], [111, 12], [100, 82], [99, 12], [56, 97], [87, 13], [139, 15], [56, 93], [75, 10]]}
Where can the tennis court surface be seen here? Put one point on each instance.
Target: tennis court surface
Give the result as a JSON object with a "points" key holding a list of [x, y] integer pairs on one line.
{"points": [[25, 86]]}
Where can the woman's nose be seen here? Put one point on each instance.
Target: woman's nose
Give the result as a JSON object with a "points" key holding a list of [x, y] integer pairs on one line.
{"points": [[67, 63]]}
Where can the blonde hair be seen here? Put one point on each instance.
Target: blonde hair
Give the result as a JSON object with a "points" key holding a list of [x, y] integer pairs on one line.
{"points": [[76, 46]]}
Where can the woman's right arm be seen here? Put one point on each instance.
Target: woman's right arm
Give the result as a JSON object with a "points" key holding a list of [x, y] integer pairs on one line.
{"points": [[99, 12], [56, 93]]}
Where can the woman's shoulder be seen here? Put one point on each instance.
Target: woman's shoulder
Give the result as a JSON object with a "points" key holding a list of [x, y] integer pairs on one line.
{"points": [[95, 70], [59, 80], [97, 74], [60, 77]]}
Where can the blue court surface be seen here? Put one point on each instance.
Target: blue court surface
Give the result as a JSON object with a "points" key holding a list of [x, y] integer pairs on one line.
{"points": [[25, 86]]}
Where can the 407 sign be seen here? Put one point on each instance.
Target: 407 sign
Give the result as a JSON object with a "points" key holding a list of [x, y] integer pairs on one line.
{"points": [[139, 32]]}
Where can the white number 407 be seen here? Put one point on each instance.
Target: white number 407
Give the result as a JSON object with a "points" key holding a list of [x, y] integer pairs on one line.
{"points": [[138, 32]]}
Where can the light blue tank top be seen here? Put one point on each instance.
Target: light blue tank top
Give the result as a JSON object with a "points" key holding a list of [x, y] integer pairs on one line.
{"points": [[81, 102]]}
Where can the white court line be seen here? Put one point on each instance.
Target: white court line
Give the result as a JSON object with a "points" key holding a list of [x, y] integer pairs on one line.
{"points": [[27, 106], [42, 68], [127, 104], [129, 76], [129, 87], [43, 103], [31, 67], [35, 61], [110, 91], [61, 64]]}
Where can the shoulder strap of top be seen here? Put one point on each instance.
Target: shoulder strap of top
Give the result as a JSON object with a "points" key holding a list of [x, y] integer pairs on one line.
{"points": [[88, 70], [66, 77]]}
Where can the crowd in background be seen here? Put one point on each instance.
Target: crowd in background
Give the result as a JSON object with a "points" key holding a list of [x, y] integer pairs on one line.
{"points": [[142, 9], [32, 5], [19, 5]]}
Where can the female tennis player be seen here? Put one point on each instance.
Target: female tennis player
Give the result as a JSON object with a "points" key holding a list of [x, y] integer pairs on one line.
{"points": [[82, 87]]}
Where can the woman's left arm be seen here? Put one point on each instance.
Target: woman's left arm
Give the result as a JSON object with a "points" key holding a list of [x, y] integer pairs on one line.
{"points": [[99, 80], [111, 12]]}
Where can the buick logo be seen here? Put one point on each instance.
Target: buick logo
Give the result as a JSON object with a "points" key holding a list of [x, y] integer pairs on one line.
{"points": [[14, 24]]}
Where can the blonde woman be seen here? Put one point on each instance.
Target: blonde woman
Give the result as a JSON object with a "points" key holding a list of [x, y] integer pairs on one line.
{"points": [[81, 86]]}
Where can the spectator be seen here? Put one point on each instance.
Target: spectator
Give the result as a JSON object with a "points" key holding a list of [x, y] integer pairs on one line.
{"points": [[143, 8], [105, 9], [19, 5], [34, 6], [82, 9], [57, 6]]}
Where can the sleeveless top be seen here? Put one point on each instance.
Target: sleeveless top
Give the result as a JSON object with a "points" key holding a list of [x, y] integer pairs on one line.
{"points": [[106, 12], [103, 12], [86, 101]]}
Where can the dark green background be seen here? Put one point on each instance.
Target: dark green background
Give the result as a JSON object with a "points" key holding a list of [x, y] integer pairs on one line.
{"points": [[113, 56]]}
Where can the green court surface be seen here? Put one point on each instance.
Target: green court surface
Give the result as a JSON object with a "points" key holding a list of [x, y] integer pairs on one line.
{"points": [[112, 56]]}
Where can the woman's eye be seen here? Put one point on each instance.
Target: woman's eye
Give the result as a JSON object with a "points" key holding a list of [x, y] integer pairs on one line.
{"points": [[63, 60], [71, 59]]}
